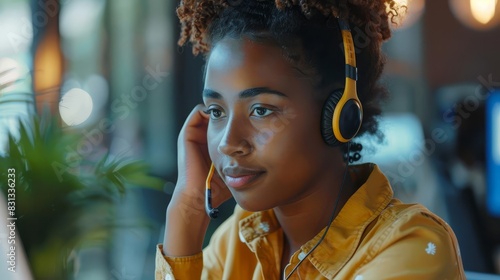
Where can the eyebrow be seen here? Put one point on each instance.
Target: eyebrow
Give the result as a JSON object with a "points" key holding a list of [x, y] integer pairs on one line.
{"points": [[247, 93]]}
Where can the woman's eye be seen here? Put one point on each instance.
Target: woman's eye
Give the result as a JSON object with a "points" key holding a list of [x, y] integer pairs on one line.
{"points": [[215, 113], [261, 112]]}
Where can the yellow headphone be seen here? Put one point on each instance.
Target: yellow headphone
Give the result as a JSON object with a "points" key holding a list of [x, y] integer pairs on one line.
{"points": [[342, 113]]}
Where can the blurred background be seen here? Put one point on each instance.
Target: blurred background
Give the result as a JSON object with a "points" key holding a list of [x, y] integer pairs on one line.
{"points": [[93, 94]]}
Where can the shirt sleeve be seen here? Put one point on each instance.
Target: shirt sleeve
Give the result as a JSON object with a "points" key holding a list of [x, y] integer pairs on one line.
{"points": [[415, 246], [209, 264], [189, 267], [205, 265]]}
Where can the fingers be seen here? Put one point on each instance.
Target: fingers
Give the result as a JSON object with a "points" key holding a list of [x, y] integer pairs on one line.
{"points": [[193, 159], [193, 136], [195, 126]]}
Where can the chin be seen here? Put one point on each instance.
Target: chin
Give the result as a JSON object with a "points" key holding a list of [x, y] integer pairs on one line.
{"points": [[252, 205]]}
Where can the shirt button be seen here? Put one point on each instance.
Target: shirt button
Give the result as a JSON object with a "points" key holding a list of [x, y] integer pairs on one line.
{"points": [[169, 277], [264, 227], [302, 255]]}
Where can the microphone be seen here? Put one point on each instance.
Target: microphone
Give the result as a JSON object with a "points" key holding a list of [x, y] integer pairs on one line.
{"points": [[211, 212]]}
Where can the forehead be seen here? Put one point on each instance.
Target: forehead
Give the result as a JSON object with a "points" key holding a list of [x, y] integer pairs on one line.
{"points": [[236, 64]]}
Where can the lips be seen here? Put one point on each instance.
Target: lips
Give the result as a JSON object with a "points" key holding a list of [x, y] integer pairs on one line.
{"points": [[239, 177]]}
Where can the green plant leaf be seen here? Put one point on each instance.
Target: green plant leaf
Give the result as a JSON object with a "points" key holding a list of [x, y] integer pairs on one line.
{"points": [[60, 208]]}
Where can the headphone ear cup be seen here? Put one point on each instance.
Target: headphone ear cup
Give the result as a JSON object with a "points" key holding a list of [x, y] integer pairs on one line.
{"points": [[327, 118]]}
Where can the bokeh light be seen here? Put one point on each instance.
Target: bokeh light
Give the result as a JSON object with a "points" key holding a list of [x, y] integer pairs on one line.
{"points": [[477, 14], [75, 106], [483, 10]]}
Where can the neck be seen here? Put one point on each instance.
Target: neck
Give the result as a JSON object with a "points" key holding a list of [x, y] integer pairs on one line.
{"points": [[303, 219]]}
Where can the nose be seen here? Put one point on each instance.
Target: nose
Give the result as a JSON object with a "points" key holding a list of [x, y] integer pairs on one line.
{"points": [[234, 142]]}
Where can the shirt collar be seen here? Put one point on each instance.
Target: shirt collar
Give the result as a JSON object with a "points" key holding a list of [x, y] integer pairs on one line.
{"points": [[257, 225], [346, 231]]}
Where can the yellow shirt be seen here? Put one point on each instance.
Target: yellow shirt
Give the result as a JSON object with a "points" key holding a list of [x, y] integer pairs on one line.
{"points": [[374, 236]]}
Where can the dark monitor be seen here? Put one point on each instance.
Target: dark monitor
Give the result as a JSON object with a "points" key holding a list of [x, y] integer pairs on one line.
{"points": [[493, 153]]}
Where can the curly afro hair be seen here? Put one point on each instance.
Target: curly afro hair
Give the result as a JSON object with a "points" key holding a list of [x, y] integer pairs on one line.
{"points": [[308, 33]]}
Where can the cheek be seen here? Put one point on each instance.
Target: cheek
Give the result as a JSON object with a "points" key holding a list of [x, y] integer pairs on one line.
{"points": [[276, 129], [212, 142], [302, 137], [263, 137]]}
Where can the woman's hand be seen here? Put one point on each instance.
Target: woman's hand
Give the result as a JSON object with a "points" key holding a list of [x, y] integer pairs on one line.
{"points": [[194, 162], [187, 221]]}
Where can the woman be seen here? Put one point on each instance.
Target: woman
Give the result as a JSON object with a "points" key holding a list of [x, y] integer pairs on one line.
{"points": [[276, 74]]}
